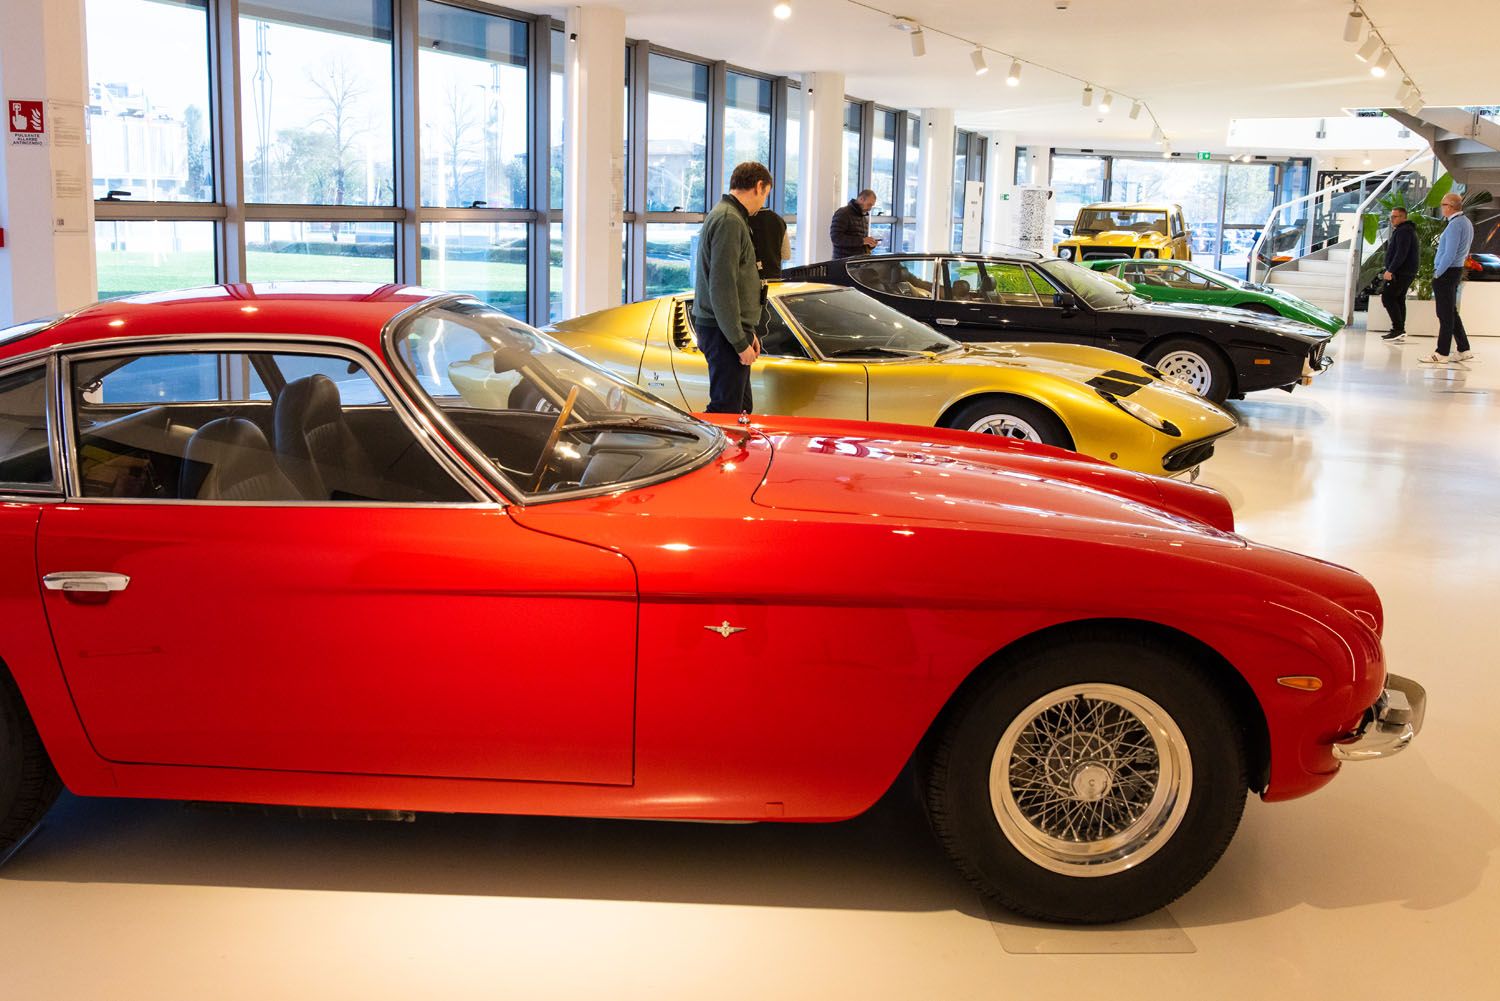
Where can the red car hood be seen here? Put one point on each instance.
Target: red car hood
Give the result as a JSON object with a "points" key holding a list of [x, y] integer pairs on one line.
{"points": [[936, 475]]}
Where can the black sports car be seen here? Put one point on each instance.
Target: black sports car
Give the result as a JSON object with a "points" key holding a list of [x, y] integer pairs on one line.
{"points": [[1220, 352]]}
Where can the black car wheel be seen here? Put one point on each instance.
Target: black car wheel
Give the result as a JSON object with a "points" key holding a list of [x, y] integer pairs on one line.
{"points": [[1011, 417], [1194, 364], [1094, 780], [28, 784]]}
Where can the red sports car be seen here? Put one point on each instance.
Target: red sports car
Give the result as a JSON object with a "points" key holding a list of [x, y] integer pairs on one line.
{"points": [[292, 545]]}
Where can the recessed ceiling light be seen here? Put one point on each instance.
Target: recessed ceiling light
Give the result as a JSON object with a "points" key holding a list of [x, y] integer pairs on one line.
{"points": [[782, 11]]}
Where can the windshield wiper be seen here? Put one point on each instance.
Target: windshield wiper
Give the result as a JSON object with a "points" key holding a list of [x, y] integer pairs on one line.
{"points": [[887, 352], [649, 425]]}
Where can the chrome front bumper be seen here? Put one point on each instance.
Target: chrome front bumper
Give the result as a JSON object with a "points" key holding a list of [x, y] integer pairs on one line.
{"points": [[1389, 725]]}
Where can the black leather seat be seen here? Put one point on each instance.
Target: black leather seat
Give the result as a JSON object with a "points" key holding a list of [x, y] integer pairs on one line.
{"points": [[229, 459], [315, 446]]}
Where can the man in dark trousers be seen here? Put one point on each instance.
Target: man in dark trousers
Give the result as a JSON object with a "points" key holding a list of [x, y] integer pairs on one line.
{"points": [[1401, 259], [850, 229], [1447, 271], [768, 233], [727, 301]]}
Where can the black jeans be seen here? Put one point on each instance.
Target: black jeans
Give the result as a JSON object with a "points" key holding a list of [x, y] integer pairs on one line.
{"points": [[1450, 324], [1394, 300], [728, 377]]}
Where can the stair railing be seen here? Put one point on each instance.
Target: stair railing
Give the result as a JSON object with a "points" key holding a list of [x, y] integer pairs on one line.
{"points": [[1357, 244]]}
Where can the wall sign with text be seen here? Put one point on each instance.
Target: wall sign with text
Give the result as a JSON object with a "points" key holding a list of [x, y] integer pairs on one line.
{"points": [[27, 123]]}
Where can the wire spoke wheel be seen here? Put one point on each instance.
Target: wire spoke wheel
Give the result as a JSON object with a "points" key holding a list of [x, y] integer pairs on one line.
{"points": [[1090, 780], [1189, 368], [1006, 426]]}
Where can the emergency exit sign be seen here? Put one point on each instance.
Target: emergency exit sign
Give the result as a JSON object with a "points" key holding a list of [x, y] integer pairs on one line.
{"points": [[1204, 154]]}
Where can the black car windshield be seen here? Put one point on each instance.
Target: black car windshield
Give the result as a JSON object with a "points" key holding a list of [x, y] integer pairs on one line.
{"points": [[1090, 286], [844, 323], [549, 420], [1120, 221]]}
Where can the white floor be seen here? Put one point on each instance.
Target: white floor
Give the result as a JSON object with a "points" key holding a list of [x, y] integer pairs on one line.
{"points": [[1384, 885]]}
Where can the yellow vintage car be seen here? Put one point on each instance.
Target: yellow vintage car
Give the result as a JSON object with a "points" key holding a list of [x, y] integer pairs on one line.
{"points": [[836, 352], [1115, 231]]}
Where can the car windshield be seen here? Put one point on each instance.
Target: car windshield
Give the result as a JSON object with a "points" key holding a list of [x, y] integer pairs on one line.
{"points": [[1093, 288], [844, 323], [1120, 220], [547, 419]]}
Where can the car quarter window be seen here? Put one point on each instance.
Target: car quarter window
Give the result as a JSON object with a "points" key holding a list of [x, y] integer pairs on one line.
{"points": [[909, 278], [25, 449], [778, 340], [215, 431]]}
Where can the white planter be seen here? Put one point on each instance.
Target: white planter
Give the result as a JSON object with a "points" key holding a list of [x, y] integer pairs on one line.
{"points": [[1478, 302]]}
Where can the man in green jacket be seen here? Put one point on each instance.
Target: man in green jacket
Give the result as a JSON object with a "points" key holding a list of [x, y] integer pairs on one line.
{"points": [[728, 298]]}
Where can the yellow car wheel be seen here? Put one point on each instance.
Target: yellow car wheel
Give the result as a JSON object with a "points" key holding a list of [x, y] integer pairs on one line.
{"points": [[1010, 417]]}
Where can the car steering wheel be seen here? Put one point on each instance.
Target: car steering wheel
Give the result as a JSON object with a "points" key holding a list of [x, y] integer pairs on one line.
{"points": [[562, 418]]}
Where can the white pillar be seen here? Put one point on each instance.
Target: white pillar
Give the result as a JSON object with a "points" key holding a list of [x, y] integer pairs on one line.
{"points": [[47, 263], [999, 192], [935, 183], [820, 189], [593, 158]]}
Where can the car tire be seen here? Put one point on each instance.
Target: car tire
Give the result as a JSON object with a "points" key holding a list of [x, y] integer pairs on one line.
{"points": [[28, 784], [1011, 417], [1013, 778], [1200, 365]]}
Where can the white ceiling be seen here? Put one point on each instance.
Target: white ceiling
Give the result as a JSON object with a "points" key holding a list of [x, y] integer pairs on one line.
{"points": [[1197, 63]]}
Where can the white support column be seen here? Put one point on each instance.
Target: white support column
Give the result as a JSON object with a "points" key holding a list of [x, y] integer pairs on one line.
{"points": [[821, 187], [593, 158], [935, 185], [999, 191], [46, 266]]}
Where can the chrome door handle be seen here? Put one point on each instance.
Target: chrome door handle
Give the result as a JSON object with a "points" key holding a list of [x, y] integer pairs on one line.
{"points": [[945, 321], [86, 580]]}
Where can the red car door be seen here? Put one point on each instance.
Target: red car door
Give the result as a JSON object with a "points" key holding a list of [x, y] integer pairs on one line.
{"points": [[426, 639]]}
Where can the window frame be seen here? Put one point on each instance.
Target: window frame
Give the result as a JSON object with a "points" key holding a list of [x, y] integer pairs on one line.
{"points": [[54, 489], [441, 451]]}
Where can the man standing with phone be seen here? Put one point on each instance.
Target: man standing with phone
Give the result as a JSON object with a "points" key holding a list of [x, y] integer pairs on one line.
{"points": [[727, 302], [850, 228]]}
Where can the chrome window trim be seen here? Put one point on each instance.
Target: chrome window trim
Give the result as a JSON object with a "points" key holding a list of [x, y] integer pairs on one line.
{"points": [[461, 442], [428, 437], [53, 488]]}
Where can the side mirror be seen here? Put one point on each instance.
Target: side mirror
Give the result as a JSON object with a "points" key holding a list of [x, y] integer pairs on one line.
{"points": [[1067, 231], [1065, 301]]}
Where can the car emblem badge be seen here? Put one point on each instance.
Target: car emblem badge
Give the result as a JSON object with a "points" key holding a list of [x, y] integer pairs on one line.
{"points": [[725, 630]]}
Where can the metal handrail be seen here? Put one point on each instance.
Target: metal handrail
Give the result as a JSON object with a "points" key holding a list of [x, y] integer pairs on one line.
{"points": [[1265, 230], [1356, 244]]}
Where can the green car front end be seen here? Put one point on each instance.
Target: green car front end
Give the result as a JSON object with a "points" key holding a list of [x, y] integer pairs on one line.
{"points": [[1184, 281]]}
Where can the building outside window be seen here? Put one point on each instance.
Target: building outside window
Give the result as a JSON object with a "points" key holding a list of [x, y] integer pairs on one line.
{"points": [[747, 122]]}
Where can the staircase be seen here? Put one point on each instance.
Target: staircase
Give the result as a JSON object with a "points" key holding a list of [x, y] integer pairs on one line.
{"points": [[1319, 277], [1465, 143]]}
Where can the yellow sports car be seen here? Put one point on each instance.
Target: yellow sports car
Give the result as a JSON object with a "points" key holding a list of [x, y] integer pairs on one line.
{"points": [[836, 352], [1111, 231]]}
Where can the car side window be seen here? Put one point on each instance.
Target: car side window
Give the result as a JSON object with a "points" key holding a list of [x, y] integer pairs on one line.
{"points": [[1009, 285], [905, 277], [963, 281], [214, 431], [1179, 277], [25, 447], [778, 340]]}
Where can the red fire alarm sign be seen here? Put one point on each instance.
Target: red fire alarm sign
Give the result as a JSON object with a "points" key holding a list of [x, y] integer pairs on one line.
{"points": [[28, 127]]}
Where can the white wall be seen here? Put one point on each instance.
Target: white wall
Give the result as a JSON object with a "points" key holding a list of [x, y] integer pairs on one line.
{"points": [[820, 188], [43, 271]]}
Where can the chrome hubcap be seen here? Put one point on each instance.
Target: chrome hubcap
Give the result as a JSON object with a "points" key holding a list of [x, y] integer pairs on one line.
{"points": [[1188, 368], [1090, 780], [1006, 426]]}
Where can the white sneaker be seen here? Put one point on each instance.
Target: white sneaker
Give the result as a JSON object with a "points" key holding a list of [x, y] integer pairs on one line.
{"points": [[1434, 359], [1466, 356]]}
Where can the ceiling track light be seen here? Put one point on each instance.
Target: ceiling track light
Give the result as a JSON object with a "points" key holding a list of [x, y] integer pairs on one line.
{"points": [[1106, 104], [977, 58], [918, 43], [1383, 63], [1166, 151], [1367, 51], [1367, 159], [782, 11], [1013, 78], [1135, 110], [1156, 135], [1088, 94], [1354, 24]]}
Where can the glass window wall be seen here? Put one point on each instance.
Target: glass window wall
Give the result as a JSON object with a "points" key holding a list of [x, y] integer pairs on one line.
{"points": [[747, 122], [677, 136]]}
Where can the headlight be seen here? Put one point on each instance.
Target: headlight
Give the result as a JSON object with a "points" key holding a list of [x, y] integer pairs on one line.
{"points": [[1148, 254], [1066, 253], [1143, 415]]}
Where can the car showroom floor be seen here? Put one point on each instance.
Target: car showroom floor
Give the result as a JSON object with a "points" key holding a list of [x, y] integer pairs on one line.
{"points": [[1384, 885]]}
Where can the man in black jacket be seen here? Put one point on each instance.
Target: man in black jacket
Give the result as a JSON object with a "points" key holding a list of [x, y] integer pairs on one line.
{"points": [[850, 229], [1401, 258], [768, 234]]}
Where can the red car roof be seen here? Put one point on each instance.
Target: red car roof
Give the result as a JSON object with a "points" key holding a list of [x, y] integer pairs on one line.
{"points": [[349, 310]]}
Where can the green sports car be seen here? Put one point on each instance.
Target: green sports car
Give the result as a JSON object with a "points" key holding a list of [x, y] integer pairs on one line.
{"points": [[1184, 281]]}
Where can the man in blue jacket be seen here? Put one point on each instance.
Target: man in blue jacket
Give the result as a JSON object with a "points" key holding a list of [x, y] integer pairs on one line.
{"points": [[1447, 272]]}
